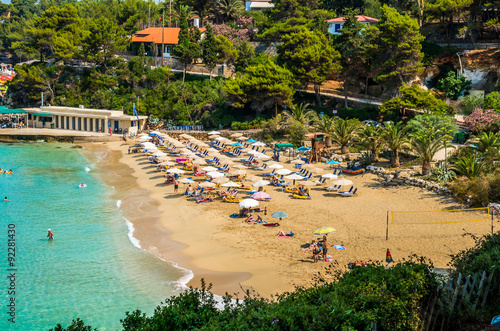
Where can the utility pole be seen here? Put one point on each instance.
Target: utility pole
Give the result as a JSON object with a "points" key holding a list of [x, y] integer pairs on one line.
{"points": [[149, 16], [170, 15], [162, 37]]}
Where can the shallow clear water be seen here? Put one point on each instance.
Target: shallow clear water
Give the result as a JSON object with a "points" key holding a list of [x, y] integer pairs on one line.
{"points": [[91, 269]]}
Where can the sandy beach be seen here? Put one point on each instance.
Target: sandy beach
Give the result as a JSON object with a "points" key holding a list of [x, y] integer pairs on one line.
{"points": [[233, 255]]}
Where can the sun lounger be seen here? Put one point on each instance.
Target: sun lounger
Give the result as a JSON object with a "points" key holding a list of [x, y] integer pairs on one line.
{"points": [[350, 194], [350, 190], [320, 182], [269, 174], [333, 188]]}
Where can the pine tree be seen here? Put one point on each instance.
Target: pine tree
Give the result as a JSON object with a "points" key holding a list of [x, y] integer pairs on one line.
{"points": [[209, 53]]}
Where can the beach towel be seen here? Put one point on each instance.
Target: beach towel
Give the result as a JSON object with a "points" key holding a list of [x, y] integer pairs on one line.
{"points": [[339, 247]]}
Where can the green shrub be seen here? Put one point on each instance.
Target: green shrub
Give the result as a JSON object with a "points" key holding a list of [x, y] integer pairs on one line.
{"points": [[235, 125]]}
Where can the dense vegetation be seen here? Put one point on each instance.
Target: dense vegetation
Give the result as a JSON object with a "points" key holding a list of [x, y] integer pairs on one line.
{"points": [[354, 300]]}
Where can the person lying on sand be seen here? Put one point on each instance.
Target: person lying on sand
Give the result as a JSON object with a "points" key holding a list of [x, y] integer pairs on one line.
{"points": [[311, 247]]}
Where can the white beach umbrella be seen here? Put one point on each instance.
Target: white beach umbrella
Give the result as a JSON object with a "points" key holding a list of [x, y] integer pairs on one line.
{"points": [[316, 171], [308, 166], [214, 132], [236, 134], [283, 172], [258, 143], [230, 184], [145, 138], [207, 184], [261, 156], [220, 180], [249, 203], [209, 168], [220, 138], [198, 161], [307, 183], [237, 173], [297, 162], [342, 182], [330, 176], [186, 181], [215, 174], [175, 171], [275, 166], [155, 132], [211, 149], [159, 154], [261, 183], [239, 166], [294, 177], [242, 138]]}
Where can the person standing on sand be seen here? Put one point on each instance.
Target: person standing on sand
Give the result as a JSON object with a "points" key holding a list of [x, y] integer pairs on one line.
{"points": [[324, 246], [50, 235], [176, 186]]}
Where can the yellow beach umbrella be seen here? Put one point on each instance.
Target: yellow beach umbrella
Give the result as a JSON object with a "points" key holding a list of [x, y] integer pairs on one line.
{"points": [[324, 230]]}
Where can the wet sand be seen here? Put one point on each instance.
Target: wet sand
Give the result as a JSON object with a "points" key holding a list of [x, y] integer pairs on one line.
{"points": [[234, 255]]}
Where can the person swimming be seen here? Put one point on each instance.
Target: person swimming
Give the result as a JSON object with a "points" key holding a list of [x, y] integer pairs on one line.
{"points": [[50, 235], [5, 199], [83, 185]]}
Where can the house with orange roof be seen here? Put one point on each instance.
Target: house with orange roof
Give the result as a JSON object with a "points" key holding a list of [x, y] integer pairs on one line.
{"points": [[151, 36], [335, 24]]}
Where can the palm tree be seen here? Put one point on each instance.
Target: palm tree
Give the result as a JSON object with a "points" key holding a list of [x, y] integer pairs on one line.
{"points": [[370, 139], [488, 144], [342, 132], [395, 138], [469, 166], [324, 123], [230, 9], [425, 146], [299, 114]]}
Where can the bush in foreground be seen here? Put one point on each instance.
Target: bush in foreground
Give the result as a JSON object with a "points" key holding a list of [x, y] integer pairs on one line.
{"points": [[355, 300]]}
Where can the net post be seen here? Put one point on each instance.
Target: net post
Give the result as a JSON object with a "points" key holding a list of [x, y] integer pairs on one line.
{"points": [[492, 213], [387, 227]]}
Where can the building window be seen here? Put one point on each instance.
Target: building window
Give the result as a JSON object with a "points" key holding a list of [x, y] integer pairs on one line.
{"points": [[338, 27], [132, 123], [29, 116]]}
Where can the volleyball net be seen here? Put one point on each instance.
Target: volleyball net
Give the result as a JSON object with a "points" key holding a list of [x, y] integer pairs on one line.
{"points": [[439, 216]]}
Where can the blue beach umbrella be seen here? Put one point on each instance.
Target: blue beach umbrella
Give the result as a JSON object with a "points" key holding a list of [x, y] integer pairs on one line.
{"points": [[303, 149], [237, 144], [250, 141], [279, 214], [332, 162]]}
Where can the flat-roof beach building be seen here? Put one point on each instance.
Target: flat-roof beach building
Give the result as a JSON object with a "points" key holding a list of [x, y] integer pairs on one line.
{"points": [[83, 119]]}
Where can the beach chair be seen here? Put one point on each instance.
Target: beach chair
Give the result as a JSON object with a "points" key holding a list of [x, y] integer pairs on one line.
{"points": [[250, 159], [350, 194], [261, 167], [333, 188], [320, 182], [350, 190], [269, 174], [307, 177]]}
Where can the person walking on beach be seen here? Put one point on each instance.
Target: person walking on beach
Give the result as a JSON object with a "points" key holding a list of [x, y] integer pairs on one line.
{"points": [[50, 235], [176, 186]]}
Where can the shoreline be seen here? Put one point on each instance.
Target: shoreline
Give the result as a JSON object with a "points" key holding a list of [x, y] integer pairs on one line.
{"points": [[151, 216], [236, 257]]}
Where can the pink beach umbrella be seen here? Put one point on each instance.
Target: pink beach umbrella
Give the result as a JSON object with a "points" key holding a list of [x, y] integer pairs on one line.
{"points": [[260, 195]]}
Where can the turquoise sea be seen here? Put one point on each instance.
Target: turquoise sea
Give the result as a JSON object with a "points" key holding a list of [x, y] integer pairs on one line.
{"points": [[91, 269]]}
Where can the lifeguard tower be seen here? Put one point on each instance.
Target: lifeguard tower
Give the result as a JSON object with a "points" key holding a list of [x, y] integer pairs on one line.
{"points": [[317, 144]]}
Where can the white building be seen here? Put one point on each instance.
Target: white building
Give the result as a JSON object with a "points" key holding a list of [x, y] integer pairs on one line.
{"points": [[83, 119], [335, 24], [258, 5]]}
